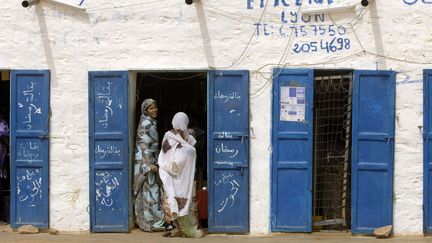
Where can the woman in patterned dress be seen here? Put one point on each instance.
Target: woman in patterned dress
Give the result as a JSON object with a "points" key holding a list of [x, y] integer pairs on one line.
{"points": [[147, 184]]}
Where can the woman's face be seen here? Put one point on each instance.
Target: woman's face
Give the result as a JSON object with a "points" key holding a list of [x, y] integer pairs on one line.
{"points": [[152, 111]]}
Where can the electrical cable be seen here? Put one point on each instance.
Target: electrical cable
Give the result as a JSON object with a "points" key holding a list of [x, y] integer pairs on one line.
{"points": [[357, 38], [250, 40], [284, 55], [176, 79], [397, 59], [282, 59], [228, 16], [125, 6], [229, 13], [342, 59]]}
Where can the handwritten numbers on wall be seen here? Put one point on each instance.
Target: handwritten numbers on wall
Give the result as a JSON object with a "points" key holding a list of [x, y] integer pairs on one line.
{"points": [[321, 36]]}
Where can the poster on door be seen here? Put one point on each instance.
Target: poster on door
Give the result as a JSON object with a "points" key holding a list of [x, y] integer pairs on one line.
{"points": [[292, 106]]}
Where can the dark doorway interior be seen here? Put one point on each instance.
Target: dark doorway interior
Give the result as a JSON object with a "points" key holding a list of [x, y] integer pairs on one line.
{"points": [[4, 167], [175, 92], [332, 150]]}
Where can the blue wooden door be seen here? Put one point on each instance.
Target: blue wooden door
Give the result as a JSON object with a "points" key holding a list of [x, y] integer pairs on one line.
{"points": [[372, 150], [427, 138], [228, 151], [109, 152], [291, 177], [30, 147]]}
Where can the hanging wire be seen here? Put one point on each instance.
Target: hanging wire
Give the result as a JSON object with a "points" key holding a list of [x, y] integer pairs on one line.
{"points": [[230, 17], [125, 6], [183, 78], [250, 40], [139, 88], [351, 24], [397, 59], [358, 39], [213, 9], [282, 59], [359, 16]]}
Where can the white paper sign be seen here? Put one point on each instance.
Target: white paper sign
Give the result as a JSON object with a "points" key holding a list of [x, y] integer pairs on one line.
{"points": [[292, 103]]}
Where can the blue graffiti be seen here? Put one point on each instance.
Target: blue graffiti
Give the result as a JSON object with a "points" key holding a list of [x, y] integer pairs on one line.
{"points": [[294, 18], [284, 30], [264, 28], [412, 2], [82, 1], [336, 44], [287, 3], [407, 79]]}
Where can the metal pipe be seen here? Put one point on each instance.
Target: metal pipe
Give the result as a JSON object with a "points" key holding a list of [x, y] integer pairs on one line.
{"points": [[28, 3]]}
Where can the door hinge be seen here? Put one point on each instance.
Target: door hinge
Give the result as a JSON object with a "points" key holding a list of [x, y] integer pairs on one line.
{"points": [[43, 136]]}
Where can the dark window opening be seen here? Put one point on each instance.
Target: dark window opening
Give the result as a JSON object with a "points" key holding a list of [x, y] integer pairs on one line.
{"points": [[4, 167], [175, 92], [332, 150]]}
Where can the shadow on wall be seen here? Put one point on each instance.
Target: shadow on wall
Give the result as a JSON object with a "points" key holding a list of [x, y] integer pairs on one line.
{"points": [[41, 16], [377, 33], [208, 49]]}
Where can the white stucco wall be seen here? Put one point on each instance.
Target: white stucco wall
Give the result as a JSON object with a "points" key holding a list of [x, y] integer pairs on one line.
{"points": [[149, 35]]}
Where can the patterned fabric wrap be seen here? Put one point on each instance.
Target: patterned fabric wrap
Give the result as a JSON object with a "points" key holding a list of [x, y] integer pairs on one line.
{"points": [[4, 128], [147, 185], [189, 223]]}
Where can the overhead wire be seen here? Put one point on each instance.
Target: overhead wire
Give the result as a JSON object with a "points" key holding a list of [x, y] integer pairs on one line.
{"points": [[176, 79], [397, 59], [214, 9], [351, 24], [125, 6], [250, 39], [282, 59]]}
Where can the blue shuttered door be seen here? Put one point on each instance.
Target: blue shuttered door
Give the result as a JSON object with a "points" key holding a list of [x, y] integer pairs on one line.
{"points": [[427, 136], [30, 148], [291, 192], [372, 150], [109, 155], [228, 151]]}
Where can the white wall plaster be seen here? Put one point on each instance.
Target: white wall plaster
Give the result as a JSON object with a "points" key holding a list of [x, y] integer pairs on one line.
{"points": [[214, 33]]}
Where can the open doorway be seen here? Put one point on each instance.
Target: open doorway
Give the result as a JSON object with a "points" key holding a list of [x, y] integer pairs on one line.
{"points": [[174, 92], [332, 150], [4, 147]]}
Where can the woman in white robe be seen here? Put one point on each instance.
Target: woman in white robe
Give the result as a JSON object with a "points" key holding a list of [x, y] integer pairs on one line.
{"points": [[177, 168]]}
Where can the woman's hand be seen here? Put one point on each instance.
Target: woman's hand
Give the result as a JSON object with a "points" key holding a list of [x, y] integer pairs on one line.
{"points": [[183, 134], [154, 168]]}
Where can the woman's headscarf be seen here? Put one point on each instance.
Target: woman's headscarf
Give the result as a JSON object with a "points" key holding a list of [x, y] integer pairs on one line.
{"points": [[180, 121], [146, 103]]}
